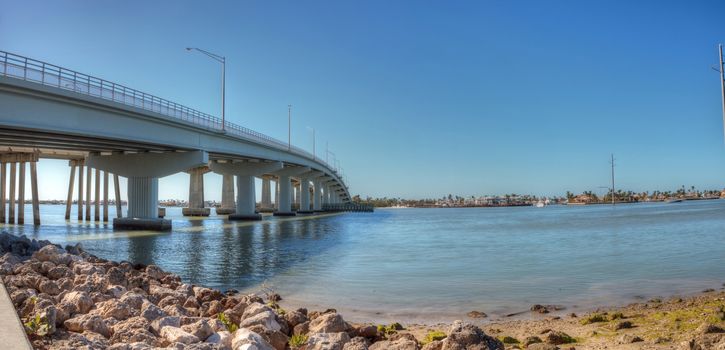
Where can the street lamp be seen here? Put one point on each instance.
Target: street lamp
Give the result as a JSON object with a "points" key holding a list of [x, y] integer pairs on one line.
{"points": [[289, 127], [222, 60]]}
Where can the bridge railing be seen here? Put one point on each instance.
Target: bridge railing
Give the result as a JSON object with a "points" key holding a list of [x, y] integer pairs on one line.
{"points": [[44, 73]]}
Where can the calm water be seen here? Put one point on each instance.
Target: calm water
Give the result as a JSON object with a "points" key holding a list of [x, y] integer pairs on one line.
{"points": [[435, 264]]}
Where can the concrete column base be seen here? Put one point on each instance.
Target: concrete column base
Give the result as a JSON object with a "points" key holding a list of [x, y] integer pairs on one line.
{"points": [[305, 212], [247, 217], [195, 211], [284, 213], [266, 210], [225, 211], [141, 224]]}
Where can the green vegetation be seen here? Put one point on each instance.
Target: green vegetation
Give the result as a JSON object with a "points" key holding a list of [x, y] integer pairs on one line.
{"points": [[278, 309], [594, 318], [616, 316], [389, 329], [508, 340], [37, 326], [231, 327], [433, 336], [297, 340]]}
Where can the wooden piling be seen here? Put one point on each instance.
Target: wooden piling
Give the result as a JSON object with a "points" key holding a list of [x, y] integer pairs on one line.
{"points": [[69, 200], [97, 203], [89, 180], [11, 202], [117, 188], [80, 190], [34, 190], [3, 195], [105, 196], [21, 194]]}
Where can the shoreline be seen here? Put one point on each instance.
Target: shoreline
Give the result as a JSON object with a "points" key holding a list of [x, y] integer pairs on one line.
{"points": [[82, 301]]}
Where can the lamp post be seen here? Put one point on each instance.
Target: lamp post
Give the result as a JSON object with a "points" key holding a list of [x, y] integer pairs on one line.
{"points": [[222, 60]]}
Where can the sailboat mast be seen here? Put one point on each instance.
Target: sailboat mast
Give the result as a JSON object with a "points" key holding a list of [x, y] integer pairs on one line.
{"points": [[612, 162]]}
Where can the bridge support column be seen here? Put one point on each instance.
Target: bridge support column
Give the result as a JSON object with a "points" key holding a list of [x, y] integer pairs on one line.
{"points": [[143, 171], [284, 179], [3, 195], [89, 179], [97, 202], [80, 189], [21, 194], [117, 192], [105, 196], [284, 207], [228, 206], [246, 193], [317, 196], [246, 201], [196, 193], [69, 200], [17, 183], [304, 197], [266, 195]]}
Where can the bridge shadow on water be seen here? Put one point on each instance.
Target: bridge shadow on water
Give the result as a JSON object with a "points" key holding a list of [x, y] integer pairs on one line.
{"points": [[210, 252]]}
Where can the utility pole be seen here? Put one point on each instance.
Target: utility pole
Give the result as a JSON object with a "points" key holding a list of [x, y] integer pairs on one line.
{"points": [[721, 68], [612, 162], [289, 127]]}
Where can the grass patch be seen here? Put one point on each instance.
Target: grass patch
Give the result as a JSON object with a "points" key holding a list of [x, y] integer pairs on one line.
{"points": [[594, 318], [508, 340], [433, 336], [297, 340]]}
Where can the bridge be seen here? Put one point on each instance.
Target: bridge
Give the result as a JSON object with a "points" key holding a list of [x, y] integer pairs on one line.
{"points": [[106, 128]]}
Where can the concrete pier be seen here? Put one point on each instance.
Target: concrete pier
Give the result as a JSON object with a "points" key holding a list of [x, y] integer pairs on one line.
{"points": [[228, 205], [21, 194], [11, 201], [143, 171], [246, 193], [196, 193], [71, 182], [117, 192], [284, 208], [266, 194], [3, 195]]}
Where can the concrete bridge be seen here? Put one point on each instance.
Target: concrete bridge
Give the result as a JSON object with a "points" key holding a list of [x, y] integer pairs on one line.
{"points": [[48, 111]]}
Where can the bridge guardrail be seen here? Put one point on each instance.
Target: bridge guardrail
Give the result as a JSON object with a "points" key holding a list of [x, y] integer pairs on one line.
{"points": [[28, 69]]}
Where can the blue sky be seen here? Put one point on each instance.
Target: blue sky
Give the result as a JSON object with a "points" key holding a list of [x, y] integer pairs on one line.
{"points": [[421, 98]]}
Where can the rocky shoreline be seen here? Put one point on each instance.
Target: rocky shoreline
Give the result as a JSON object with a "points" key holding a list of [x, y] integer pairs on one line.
{"points": [[70, 299]]}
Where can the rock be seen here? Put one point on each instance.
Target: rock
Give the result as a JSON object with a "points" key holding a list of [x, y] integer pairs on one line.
{"points": [[49, 287], [294, 318], [158, 293], [134, 300], [169, 321], [357, 343], [80, 301], [115, 291], [327, 341], [116, 276], [116, 309], [540, 309], [531, 340], [434, 345], [59, 272], [178, 335], [628, 339], [53, 254], [151, 312], [477, 314], [222, 338], [49, 315], [623, 325], [708, 328], [201, 329], [277, 339], [215, 307], [176, 310], [328, 323], [244, 339], [267, 319], [93, 323], [206, 294], [133, 330], [154, 272], [466, 336], [302, 328], [367, 331], [254, 309], [398, 342]]}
